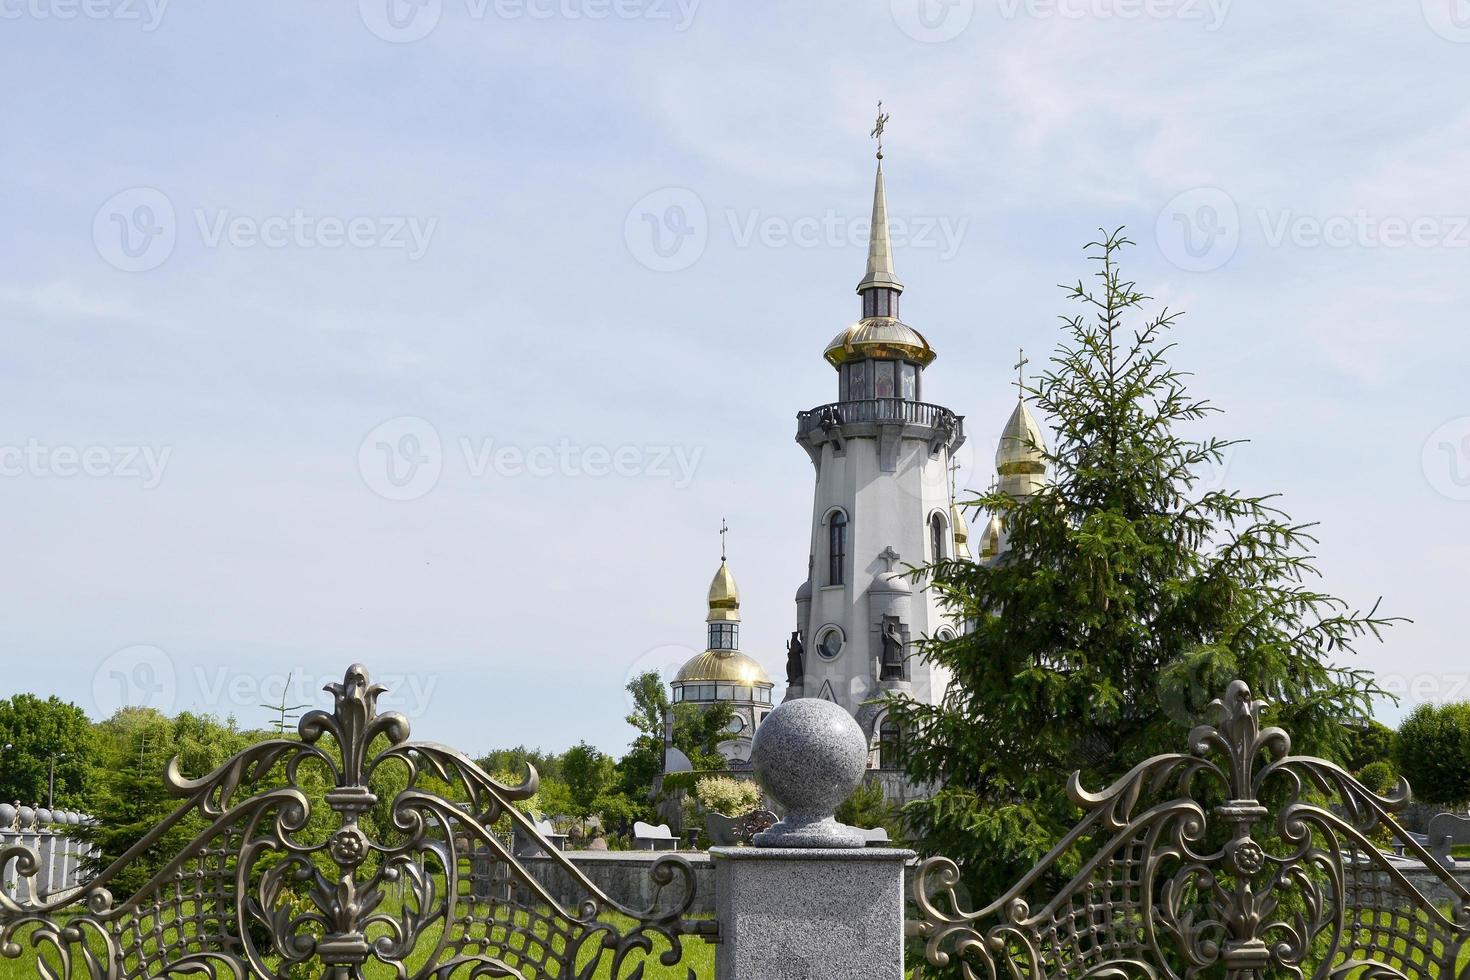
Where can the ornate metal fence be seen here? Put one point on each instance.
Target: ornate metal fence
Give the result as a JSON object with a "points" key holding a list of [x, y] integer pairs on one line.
{"points": [[1237, 859], [348, 852]]}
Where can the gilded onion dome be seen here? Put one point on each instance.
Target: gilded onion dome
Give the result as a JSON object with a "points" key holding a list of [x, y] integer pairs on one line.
{"points": [[724, 667], [1022, 448], [961, 531], [881, 337], [989, 544], [724, 597], [722, 662]]}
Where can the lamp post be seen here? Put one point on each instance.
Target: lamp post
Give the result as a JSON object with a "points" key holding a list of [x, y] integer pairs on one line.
{"points": [[51, 782]]}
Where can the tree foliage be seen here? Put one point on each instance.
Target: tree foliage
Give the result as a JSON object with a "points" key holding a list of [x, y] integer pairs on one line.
{"points": [[33, 731], [1432, 750], [126, 793], [1368, 742], [1130, 595], [869, 809], [588, 774]]}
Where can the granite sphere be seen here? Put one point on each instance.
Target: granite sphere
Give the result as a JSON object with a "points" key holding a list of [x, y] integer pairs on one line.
{"points": [[809, 755]]}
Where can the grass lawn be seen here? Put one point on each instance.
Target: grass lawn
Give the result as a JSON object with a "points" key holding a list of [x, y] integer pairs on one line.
{"points": [[698, 956]]}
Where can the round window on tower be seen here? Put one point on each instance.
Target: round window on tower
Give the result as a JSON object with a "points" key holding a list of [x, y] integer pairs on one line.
{"points": [[736, 726], [829, 643]]}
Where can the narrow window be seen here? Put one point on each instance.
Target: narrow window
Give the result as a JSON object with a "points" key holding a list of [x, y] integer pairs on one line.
{"points": [[883, 379], [836, 548], [936, 538], [890, 745]]}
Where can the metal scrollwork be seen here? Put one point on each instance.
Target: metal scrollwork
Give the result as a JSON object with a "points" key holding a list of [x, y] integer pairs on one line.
{"points": [[1236, 859], [336, 854]]}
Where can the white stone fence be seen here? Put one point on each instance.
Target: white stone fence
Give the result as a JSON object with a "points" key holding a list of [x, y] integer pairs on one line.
{"points": [[53, 836]]}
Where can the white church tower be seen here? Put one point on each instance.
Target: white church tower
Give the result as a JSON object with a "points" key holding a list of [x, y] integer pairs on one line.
{"points": [[883, 502]]}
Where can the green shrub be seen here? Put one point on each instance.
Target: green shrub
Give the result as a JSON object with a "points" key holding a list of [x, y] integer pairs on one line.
{"points": [[1432, 750], [728, 795], [1378, 776]]}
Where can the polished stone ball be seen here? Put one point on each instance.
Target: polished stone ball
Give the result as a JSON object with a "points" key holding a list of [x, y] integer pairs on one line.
{"points": [[809, 755]]}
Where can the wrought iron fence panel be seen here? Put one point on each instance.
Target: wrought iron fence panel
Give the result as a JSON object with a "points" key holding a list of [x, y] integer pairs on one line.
{"points": [[1236, 859], [295, 866]]}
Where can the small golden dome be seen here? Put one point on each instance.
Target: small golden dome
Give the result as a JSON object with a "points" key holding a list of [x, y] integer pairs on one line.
{"points": [[723, 667], [1022, 448], [961, 531], [990, 537], [883, 337], [724, 597]]}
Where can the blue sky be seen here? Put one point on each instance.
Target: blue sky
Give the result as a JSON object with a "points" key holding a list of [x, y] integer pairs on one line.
{"points": [[568, 267]]}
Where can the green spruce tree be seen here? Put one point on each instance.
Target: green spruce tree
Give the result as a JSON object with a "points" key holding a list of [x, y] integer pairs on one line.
{"points": [[1128, 597]]}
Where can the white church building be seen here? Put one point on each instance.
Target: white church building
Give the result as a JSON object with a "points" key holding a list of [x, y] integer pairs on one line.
{"points": [[884, 502]]}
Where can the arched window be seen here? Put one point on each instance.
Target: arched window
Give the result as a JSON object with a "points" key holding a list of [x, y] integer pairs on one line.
{"points": [[937, 538], [890, 745], [836, 547]]}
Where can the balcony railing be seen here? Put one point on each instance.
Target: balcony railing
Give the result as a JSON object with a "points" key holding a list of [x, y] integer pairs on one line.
{"points": [[899, 410]]}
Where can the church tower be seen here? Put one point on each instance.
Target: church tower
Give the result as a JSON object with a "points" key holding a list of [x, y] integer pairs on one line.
{"points": [[882, 503], [723, 673]]}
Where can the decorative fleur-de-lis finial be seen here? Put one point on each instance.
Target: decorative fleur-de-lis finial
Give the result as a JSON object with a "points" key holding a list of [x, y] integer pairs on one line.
{"points": [[878, 128]]}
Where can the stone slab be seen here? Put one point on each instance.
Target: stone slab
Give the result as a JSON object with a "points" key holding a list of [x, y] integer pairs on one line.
{"points": [[809, 914]]}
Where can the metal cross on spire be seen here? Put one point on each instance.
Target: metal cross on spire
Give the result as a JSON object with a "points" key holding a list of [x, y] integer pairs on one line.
{"points": [[724, 530], [1020, 367], [954, 467], [878, 128]]}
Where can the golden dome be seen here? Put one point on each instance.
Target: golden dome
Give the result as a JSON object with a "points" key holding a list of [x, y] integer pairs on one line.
{"points": [[1022, 448], [961, 531], [724, 597], [990, 537], [881, 337], [724, 667]]}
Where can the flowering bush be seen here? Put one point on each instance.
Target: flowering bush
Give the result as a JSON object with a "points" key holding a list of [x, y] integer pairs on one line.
{"points": [[727, 795]]}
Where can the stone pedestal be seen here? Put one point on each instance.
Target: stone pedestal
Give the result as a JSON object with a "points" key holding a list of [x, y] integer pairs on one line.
{"points": [[809, 914]]}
